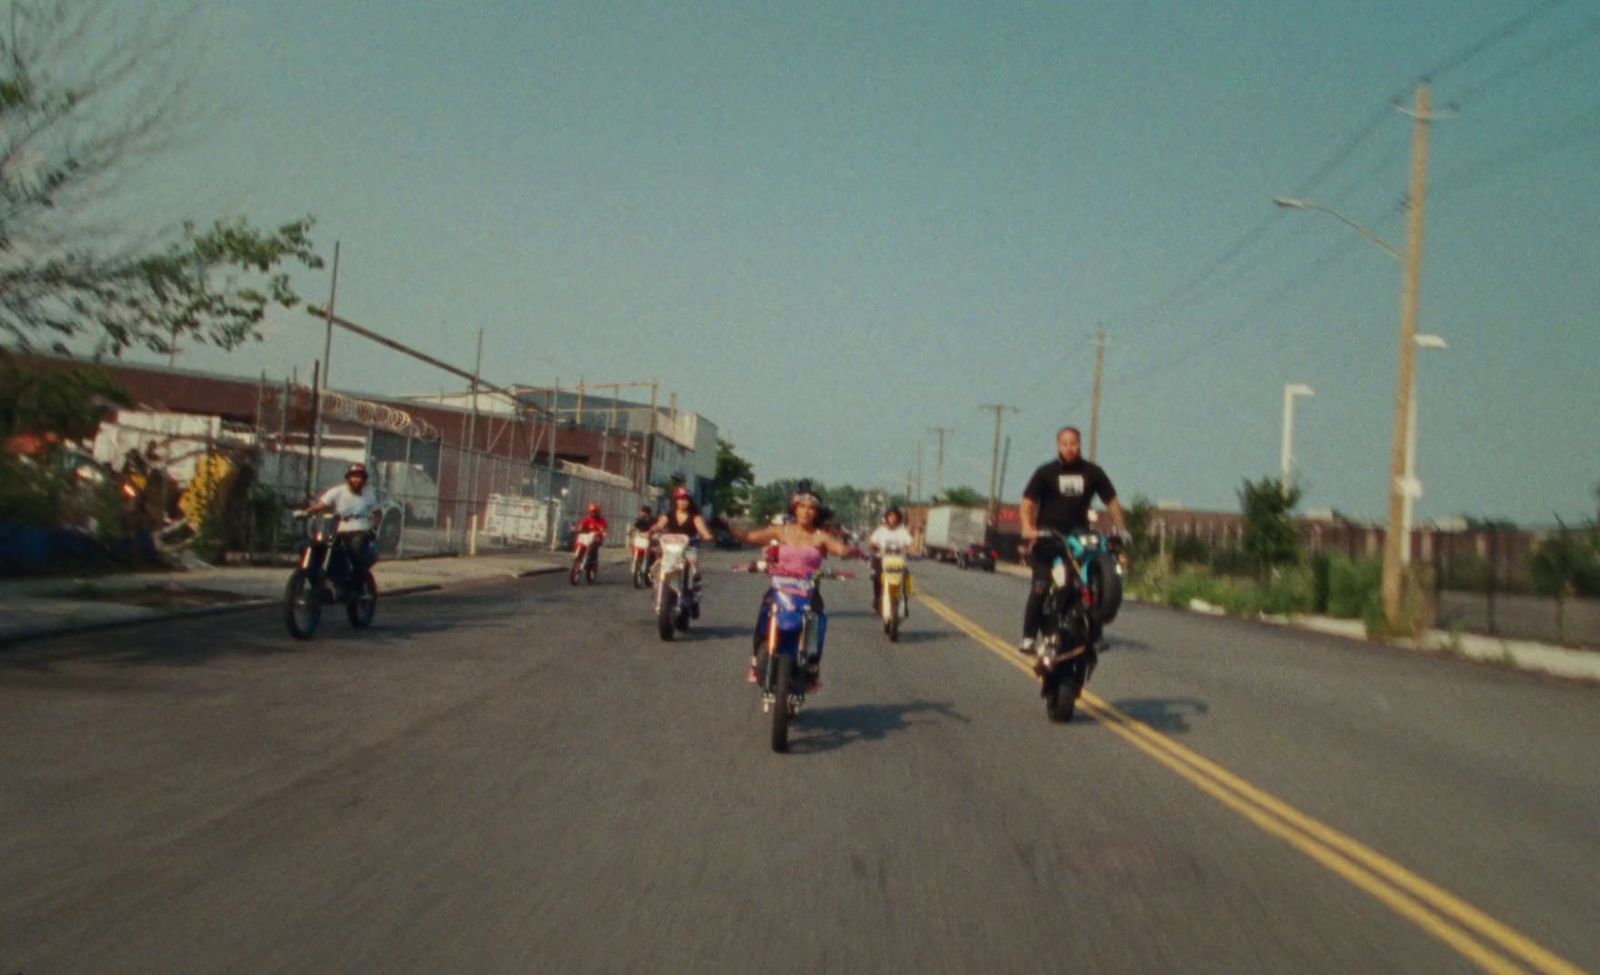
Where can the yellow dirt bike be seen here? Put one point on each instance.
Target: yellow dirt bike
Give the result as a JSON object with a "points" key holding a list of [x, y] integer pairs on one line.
{"points": [[894, 594]]}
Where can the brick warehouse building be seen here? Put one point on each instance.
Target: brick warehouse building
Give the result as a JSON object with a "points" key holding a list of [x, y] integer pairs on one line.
{"points": [[266, 405]]}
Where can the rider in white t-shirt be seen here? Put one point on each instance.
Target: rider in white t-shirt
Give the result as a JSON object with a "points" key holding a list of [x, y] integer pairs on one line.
{"points": [[890, 538], [356, 504]]}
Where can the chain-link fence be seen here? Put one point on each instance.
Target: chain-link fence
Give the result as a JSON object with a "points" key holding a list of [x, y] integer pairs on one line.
{"points": [[436, 497], [1515, 583]]}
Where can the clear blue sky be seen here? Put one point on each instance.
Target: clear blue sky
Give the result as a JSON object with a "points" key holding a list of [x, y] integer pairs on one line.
{"points": [[831, 225]]}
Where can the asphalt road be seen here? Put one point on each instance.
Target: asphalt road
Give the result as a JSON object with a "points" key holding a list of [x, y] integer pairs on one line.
{"points": [[521, 777]]}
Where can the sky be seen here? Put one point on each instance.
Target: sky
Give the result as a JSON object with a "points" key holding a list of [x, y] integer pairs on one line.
{"points": [[832, 226]]}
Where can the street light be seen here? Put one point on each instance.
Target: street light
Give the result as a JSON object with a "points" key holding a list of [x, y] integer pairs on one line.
{"points": [[1290, 392], [1405, 413], [1411, 486], [1295, 203]]}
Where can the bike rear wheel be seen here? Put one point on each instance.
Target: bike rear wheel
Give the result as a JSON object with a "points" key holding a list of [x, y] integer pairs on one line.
{"points": [[302, 605], [1061, 696], [782, 690]]}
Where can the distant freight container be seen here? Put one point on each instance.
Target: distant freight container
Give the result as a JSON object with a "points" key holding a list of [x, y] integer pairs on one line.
{"points": [[950, 530]]}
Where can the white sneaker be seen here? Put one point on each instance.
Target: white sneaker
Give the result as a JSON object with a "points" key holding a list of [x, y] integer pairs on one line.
{"points": [[1026, 647]]}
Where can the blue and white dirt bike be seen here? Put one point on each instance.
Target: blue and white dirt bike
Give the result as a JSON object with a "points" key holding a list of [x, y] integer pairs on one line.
{"points": [[786, 649], [789, 636], [1084, 595], [323, 576]]}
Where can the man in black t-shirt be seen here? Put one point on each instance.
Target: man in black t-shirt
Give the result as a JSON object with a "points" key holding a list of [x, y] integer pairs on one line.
{"points": [[1058, 497]]}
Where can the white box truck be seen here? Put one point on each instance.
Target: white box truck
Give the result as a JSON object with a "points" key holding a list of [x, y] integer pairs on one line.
{"points": [[950, 530]]}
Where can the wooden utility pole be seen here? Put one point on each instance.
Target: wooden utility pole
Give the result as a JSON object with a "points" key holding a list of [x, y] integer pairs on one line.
{"points": [[1094, 412], [941, 431], [994, 466], [1410, 294], [919, 470], [327, 361]]}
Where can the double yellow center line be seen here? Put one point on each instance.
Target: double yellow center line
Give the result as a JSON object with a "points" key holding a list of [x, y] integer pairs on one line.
{"points": [[1489, 944]]}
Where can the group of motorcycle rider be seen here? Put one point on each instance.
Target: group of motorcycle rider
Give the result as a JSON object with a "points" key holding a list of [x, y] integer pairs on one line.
{"points": [[1057, 499]]}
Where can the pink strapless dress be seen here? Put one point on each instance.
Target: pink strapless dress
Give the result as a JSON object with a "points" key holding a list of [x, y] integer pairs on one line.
{"points": [[797, 561]]}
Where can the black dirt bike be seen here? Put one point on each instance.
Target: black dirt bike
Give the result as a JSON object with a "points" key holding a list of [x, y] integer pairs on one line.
{"points": [[325, 576], [1085, 594]]}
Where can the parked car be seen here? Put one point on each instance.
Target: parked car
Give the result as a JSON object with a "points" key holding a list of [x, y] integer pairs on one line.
{"points": [[977, 557]]}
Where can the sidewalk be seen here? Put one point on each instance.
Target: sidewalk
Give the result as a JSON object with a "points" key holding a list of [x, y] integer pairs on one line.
{"points": [[31, 608], [1545, 658]]}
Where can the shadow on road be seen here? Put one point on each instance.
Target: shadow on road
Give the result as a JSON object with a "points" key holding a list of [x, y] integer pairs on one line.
{"points": [[845, 614], [924, 636], [1114, 642], [826, 729], [1168, 715], [257, 632], [725, 631]]}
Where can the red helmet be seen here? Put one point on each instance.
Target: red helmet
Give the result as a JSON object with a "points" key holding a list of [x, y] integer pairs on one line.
{"points": [[594, 509], [680, 492], [356, 469]]}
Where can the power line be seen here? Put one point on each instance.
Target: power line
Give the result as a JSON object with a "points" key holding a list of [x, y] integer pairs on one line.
{"points": [[1568, 42], [1347, 148], [1570, 131], [1493, 38], [1210, 276], [1331, 256]]}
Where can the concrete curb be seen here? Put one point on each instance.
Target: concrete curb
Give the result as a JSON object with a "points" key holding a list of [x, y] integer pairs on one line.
{"points": [[26, 636], [1525, 656], [12, 640]]}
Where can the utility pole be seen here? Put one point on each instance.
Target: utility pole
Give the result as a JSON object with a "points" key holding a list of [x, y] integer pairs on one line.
{"points": [[327, 353], [1005, 461], [994, 466], [1410, 293], [919, 470], [941, 431], [1094, 412]]}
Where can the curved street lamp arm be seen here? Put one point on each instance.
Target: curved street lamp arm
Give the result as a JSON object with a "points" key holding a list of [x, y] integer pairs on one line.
{"points": [[1293, 203]]}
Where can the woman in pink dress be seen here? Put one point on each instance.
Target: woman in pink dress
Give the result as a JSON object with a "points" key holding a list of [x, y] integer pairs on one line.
{"points": [[801, 545]]}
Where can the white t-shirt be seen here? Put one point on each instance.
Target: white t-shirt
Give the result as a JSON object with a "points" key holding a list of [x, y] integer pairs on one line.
{"points": [[893, 541], [354, 510]]}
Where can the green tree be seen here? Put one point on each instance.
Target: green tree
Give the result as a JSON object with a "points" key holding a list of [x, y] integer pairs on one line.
{"points": [[961, 497], [65, 402], [771, 499], [735, 478], [1271, 537], [1137, 517], [81, 104], [1565, 564]]}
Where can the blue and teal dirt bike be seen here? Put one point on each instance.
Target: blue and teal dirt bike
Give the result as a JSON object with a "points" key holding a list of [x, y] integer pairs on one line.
{"points": [[1084, 595], [789, 637]]}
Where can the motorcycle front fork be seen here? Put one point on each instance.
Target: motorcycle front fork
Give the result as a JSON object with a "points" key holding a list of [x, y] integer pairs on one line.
{"points": [[805, 657]]}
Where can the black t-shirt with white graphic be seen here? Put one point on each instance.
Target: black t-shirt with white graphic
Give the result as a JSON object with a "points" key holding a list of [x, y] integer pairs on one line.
{"points": [[1064, 491]]}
